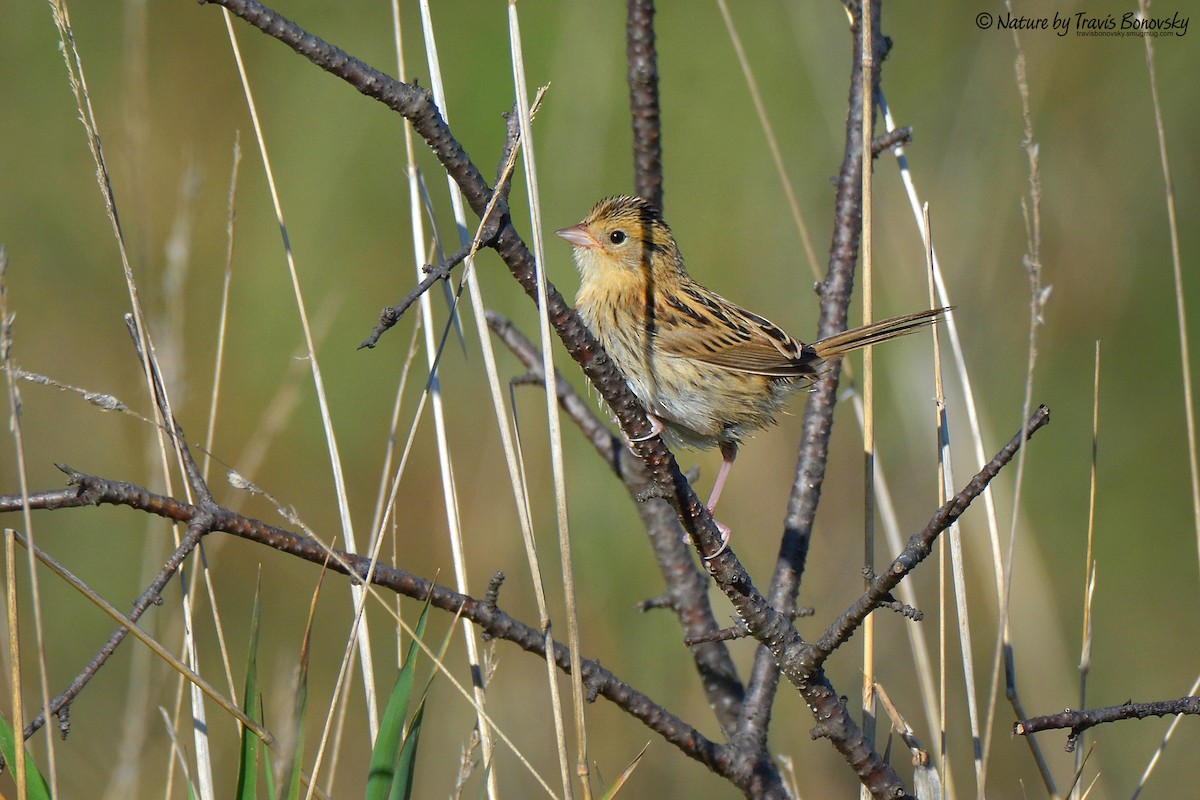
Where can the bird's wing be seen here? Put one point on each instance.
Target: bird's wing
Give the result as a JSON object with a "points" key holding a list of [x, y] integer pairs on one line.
{"points": [[699, 324]]}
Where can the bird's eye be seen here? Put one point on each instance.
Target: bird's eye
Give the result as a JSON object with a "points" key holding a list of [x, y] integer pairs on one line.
{"points": [[618, 237]]}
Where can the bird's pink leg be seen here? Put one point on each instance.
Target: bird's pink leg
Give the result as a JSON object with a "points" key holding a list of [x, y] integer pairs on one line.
{"points": [[719, 483], [728, 454]]}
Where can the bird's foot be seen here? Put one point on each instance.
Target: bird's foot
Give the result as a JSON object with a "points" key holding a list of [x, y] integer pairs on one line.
{"points": [[656, 427], [726, 534]]}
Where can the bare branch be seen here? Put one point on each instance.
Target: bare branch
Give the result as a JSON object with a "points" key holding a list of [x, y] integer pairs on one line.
{"points": [[1080, 721], [91, 490], [919, 547], [643, 101]]}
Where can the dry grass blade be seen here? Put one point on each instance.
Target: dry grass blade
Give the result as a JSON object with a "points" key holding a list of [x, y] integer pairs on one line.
{"points": [[14, 657], [556, 448], [972, 409], [867, 19], [178, 752], [194, 490], [10, 555], [223, 317], [1038, 295], [927, 785], [945, 489], [956, 350], [339, 480], [385, 471], [172, 343], [1089, 572], [810, 252], [204, 772], [625, 774], [1185, 368], [10, 575], [1076, 787], [174, 280], [451, 500]]}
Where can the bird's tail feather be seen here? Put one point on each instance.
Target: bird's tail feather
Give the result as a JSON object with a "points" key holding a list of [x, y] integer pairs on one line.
{"points": [[841, 343]]}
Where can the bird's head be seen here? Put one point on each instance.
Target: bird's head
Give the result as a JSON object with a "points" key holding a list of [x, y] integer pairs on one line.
{"points": [[622, 236]]}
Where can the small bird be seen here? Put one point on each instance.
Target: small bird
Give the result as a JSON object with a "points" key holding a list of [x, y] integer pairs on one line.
{"points": [[708, 372]]}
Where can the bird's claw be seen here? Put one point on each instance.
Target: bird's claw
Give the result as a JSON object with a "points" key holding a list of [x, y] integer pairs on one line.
{"points": [[656, 427], [726, 534]]}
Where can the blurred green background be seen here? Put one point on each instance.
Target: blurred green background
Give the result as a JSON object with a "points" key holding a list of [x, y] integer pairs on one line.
{"points": [[168, 100]]}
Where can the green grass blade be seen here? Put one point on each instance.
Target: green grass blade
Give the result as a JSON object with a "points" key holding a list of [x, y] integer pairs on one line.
{"points": [[483, 787], [247, 780], [301, 709], [391, 733], [292, 772], [270, 770], [381, 781], [406, 765], [35, 785]]}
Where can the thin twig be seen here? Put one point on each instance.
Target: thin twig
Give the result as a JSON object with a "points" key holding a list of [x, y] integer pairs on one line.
{"points": [[152, 596], [896, 137], [738, 631], [919, 547], [433, 273], [1079, 721]]}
